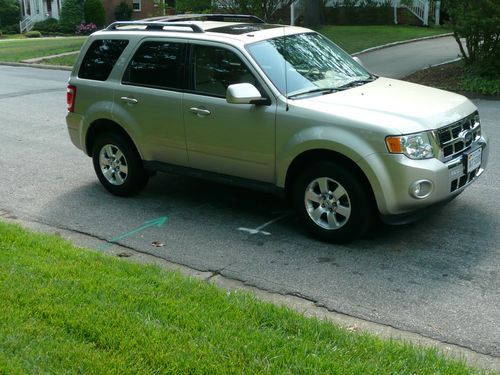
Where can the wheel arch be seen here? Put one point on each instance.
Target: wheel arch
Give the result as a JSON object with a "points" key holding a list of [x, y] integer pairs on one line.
{"points": [[101, 126], [301, 161]]}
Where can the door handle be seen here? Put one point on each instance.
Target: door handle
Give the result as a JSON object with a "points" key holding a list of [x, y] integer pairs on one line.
{"points": [[199, 111], [128, 100]]}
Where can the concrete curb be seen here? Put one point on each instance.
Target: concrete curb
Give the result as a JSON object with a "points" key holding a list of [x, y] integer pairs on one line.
{"points": [[401, 42], [37, 59], [294, 302], [38, 66]]}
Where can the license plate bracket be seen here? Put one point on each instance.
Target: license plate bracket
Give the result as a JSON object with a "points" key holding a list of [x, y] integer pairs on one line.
{"points": [[472, 159]]}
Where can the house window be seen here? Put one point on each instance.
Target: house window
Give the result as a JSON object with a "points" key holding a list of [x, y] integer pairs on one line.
{"points": [[136, 5]]}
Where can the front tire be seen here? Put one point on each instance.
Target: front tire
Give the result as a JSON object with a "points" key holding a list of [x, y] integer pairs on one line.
{"points": [[333, 203], [118, 165]]}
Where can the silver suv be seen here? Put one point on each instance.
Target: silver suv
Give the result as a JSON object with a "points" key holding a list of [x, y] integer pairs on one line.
{"points": [[272, 107]]}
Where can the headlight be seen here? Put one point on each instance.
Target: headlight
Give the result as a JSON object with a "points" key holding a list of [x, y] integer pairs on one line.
{"points": [[415, 146]]}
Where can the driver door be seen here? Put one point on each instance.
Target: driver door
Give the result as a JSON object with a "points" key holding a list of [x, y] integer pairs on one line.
{"points": [[232, 139]]}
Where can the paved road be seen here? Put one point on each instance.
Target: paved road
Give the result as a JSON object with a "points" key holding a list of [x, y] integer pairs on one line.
{"points": [[408, 58], [439, 277]]}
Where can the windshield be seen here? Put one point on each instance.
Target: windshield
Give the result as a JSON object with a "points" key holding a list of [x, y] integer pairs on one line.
{"points": [[313, 64]]}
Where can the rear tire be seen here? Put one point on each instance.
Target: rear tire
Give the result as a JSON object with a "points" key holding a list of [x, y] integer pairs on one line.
{"points": [[333, 203], [118, 165]]}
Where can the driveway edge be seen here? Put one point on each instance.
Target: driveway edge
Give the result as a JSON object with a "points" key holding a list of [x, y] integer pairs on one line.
{"points": [[376, 48]]}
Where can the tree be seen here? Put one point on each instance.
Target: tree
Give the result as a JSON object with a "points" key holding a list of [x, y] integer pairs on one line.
{"points": [[312, 14], [9, 12], [193, 6], [123, 12], [94, 12], [261, 8], [71, 15], [478, 22]]}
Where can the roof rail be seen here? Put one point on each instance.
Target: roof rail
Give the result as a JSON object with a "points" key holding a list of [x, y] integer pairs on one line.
{"points": [[152, 26], [224, 17]]}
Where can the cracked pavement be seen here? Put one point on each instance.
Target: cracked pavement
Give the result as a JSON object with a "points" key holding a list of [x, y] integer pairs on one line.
{"points": [[439, 277]]}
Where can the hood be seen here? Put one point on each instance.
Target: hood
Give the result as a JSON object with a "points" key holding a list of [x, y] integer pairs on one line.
{"points": [[400, 106]]}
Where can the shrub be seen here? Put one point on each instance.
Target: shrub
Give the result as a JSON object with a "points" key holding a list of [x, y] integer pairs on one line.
{"points": [[479, 23], [0, 33], [360, 12], [85, 29], [33, 34], [50, 25], [71, 15], [123, 11], [11, 29], [9, 12], [93, 11]]}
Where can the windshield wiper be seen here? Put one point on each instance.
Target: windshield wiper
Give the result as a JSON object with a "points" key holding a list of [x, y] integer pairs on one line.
{"points": [[356, 83], [323, 91]]}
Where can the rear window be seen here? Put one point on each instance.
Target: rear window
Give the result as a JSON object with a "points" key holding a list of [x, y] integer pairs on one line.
{"points": [[101, 58]]}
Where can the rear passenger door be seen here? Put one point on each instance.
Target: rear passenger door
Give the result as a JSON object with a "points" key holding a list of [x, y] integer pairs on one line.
{"points": [[149, 99], [232, 139]]}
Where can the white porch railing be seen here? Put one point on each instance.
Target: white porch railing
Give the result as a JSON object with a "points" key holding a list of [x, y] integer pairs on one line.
{"points": [[26, 24], [424, 10]]}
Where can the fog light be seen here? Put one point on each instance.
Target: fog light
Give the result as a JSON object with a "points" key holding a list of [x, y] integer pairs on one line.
{"points": [[421, 189]]}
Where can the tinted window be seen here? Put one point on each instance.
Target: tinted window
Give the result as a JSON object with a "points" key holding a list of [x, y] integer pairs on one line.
{"points": [[157, 64], [217, 68], [100, 59]]}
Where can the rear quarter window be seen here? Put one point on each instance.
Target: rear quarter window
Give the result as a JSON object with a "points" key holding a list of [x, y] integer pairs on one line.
{"points": [[100, 58]]}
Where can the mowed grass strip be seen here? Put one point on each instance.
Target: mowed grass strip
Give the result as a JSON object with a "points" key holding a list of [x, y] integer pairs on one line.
{"points": [[23, 49], [357, 38], [68, 310]]}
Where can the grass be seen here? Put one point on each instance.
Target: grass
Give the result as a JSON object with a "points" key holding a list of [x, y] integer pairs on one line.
{"points": [[455, 77], [22, 49], [357, 38], [68, 310]]}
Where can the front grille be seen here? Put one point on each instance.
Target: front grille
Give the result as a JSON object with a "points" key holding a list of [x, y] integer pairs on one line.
{"points": [[457, 137], [463, 180]]}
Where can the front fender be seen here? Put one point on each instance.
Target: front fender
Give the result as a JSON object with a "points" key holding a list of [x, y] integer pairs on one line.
{"points": [[326, 138]]}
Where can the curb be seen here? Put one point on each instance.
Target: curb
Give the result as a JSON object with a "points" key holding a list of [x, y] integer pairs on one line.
{"points": [[37, 59], [38, 66], [401, 42]]}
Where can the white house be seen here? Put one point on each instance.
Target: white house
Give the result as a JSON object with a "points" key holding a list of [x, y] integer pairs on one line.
{"points": [[38, 10]]}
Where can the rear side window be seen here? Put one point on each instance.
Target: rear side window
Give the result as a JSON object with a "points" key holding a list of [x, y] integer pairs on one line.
{"points": [[157, 64], [100, 59]]}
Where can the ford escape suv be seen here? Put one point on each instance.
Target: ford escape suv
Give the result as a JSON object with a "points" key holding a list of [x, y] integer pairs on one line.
{"points": [[272, 107]]}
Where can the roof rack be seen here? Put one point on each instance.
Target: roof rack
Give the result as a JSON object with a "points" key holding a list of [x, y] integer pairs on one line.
{"points": [[152, 26], [224, 17]]}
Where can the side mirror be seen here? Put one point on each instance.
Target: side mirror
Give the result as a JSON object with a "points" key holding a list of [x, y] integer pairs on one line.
{"points": [[245, 93], [358, 60]]}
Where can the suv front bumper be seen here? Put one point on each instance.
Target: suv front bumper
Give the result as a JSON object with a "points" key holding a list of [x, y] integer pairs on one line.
{"points": [[393, 177]]}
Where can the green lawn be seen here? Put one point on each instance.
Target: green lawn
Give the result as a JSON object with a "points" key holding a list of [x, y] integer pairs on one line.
{"points": [[17, 50], [68, 310], [357, 38]]}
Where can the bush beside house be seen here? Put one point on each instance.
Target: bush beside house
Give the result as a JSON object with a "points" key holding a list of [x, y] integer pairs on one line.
{"points": [[94, 12], [9, 15], [123, 11], [71, 15]]}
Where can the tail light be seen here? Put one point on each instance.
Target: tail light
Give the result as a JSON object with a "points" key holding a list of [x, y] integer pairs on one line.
{"points": [[71, 97]]}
